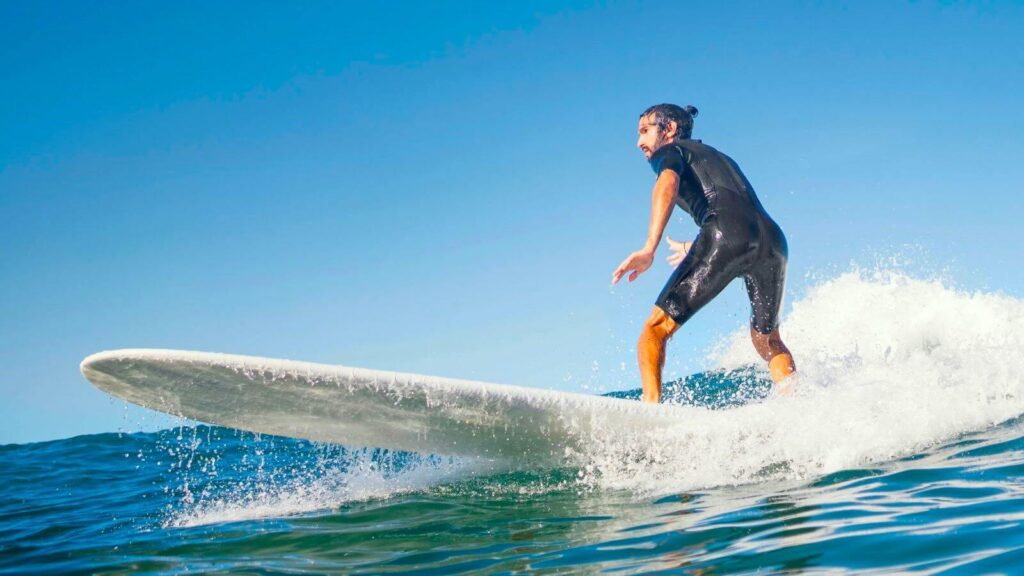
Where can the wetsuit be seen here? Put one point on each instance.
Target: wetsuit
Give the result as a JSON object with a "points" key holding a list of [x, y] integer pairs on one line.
{"points": [[737, 237]]}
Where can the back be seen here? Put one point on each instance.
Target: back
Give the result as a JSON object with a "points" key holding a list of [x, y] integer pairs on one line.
{"points": [[718, 180]]}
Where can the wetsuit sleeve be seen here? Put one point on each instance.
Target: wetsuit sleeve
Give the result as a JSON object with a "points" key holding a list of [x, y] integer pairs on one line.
{"points": [[667, 158]]}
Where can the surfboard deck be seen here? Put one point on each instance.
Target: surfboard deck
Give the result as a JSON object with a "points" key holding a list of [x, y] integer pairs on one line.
{"points": [[359, 407]]}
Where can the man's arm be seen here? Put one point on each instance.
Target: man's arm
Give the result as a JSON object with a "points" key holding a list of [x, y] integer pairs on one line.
{"points": [[662, 201]]}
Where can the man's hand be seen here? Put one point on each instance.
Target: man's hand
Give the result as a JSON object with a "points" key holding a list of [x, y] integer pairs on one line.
{"points": [[636, 264], [679, 250]]}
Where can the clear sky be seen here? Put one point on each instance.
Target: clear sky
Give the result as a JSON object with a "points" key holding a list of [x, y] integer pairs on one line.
{"points": [[446, 187]]}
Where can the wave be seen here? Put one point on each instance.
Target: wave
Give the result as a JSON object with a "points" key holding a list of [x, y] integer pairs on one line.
{"points": [[889, 365]]}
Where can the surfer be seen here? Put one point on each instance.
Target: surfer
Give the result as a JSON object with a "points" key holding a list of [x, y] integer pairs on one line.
{"points": [[737, 238]]}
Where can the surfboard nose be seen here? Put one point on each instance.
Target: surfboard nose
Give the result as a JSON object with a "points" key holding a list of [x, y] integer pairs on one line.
{"points": [[99, 369], [91, 363], [107, 370]]}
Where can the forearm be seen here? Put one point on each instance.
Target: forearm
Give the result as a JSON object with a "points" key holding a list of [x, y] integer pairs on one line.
{"points": [[662, 201]]}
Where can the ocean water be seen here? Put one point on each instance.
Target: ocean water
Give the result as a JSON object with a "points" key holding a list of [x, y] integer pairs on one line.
{"points": [[902, 452]]}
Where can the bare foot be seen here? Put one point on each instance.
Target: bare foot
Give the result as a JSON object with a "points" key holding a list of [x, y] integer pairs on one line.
{"points": [[787, 387]]}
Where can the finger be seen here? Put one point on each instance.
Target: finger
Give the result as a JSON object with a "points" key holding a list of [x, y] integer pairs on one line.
{"points": [[675, 245], [617, 275], [633, 275]]}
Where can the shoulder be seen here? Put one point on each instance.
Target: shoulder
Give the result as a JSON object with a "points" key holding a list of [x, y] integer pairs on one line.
{"points": [[668, 157]]}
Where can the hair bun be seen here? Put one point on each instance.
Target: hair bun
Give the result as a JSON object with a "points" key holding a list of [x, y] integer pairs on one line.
{"points": [[691, 110]]}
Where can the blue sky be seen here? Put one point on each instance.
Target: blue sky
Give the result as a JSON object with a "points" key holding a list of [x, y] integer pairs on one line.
{"points": [[446, 188]]}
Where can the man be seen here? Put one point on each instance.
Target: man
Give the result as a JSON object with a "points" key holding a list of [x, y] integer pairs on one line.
{"points": [[737, 238]]}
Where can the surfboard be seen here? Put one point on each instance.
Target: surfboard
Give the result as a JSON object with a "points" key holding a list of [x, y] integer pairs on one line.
{"points": [[370, 408]]}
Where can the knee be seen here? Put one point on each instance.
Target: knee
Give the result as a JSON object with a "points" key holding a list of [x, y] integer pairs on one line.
{"points": [[658, 328]]}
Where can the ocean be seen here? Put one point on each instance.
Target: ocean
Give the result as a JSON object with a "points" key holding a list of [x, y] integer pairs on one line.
{"points": [[902, 452]]}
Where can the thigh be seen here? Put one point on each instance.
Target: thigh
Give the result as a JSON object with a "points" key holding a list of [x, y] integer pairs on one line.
{"points": [[706, 270]]}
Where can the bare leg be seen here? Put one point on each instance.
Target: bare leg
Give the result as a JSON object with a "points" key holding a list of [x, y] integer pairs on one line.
{"points": [[650, 352], [772, 349]]}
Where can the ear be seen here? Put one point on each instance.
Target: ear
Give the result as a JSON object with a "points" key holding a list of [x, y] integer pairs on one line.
{"points": [[673, 130]]}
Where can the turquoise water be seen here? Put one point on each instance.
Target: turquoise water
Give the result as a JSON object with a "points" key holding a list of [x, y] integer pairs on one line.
{"points": [[902, 451], [207, 499]]}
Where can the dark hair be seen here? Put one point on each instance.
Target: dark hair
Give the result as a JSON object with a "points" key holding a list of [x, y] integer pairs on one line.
{"points": [[663, 113]]}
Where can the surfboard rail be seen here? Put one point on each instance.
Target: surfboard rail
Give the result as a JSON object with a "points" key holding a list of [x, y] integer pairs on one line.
{"points": [[363, 407]]}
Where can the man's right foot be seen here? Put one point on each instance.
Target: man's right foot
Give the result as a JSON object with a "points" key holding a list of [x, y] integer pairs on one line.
{"points": [[787, 387]]}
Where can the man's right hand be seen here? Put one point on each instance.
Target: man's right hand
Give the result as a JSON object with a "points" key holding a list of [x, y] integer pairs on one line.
{"points": [[679, 250], [636, 264]]}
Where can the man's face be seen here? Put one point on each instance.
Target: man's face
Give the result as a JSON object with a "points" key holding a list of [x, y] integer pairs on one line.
{"points": [[651, 137]]}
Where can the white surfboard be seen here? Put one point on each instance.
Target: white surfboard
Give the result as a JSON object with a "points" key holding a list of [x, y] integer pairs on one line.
{"points": [[357, 407]]}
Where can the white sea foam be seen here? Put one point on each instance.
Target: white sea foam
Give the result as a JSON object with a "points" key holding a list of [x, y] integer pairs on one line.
{"points": [[889, 365], [360, 479]]}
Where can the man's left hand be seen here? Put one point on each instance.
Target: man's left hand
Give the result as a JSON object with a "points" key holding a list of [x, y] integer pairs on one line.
{"points": [[679, 250]]}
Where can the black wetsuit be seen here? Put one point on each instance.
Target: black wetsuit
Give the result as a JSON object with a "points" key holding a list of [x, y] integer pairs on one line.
{"points": [[736, 238]]}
